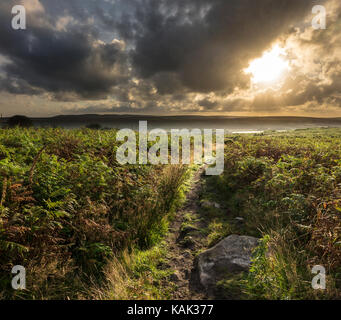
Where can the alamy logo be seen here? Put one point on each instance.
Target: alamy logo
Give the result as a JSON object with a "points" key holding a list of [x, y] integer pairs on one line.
{"points": [[319, 281], [19, 281], [320, 20], [19, 20], [178, 141]]}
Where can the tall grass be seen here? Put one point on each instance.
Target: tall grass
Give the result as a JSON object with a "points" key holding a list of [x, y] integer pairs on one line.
{"points": [[287, 187], [67, 208]]}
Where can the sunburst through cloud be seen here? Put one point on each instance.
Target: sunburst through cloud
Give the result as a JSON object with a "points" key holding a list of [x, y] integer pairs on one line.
{"points": [[270, 67]]}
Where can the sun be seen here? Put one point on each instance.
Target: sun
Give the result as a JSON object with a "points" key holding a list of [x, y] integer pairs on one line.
{"points": [[269, 67]]}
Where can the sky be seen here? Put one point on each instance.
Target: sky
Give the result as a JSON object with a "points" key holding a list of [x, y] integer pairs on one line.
{"points": [[207, 57]]}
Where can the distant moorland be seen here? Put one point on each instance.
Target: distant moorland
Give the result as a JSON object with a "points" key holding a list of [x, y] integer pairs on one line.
{"points": [[175, 122]]}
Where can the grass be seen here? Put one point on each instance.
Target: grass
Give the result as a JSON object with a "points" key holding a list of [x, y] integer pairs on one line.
{"points": [[136, 276], [287, 187], [67, 208], [86, 227]]}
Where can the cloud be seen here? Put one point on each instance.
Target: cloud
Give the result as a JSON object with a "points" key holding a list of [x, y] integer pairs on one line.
{"points": [[170, 55], [59, 61], [208, 49]]}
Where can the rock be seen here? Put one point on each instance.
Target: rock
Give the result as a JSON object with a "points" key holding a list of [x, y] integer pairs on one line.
{"points": [[188, 242], [208, 204], [217, 205], [231, 255], [175, 277], [186, 230], [239, 219], [187, 255]]}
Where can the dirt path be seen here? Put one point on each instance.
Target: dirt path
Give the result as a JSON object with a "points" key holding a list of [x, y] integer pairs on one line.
{"points": [[184, 240]]}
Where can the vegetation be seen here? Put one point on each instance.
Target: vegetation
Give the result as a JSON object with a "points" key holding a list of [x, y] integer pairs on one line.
{"points": [[19, 121], [287, 187], [67, 208], [72, 215], [94, 126]]}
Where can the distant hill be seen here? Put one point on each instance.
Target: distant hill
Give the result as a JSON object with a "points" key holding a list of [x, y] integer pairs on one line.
{"points": [[188, 121]]}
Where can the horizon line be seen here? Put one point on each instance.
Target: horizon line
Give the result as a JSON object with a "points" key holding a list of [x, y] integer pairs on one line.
{"points": [[168, 115]]}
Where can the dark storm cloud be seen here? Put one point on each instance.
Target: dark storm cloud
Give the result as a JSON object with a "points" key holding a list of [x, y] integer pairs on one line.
{"points": [[166, 51], [208, 104], [210, 45], [18, 86], [59, 61], [167, 83], [100, 109]]}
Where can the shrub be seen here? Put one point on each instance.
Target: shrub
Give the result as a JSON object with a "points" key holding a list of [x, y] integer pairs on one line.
{"points": [[67, 207], [287, 187], [19, 121]]}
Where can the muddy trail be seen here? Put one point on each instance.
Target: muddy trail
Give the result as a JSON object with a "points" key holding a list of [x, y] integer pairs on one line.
{"points": [[184, 241]]}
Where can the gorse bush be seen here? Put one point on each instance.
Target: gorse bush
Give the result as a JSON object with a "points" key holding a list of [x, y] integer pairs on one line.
{"points": [[67, 207], [288, 187]]}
